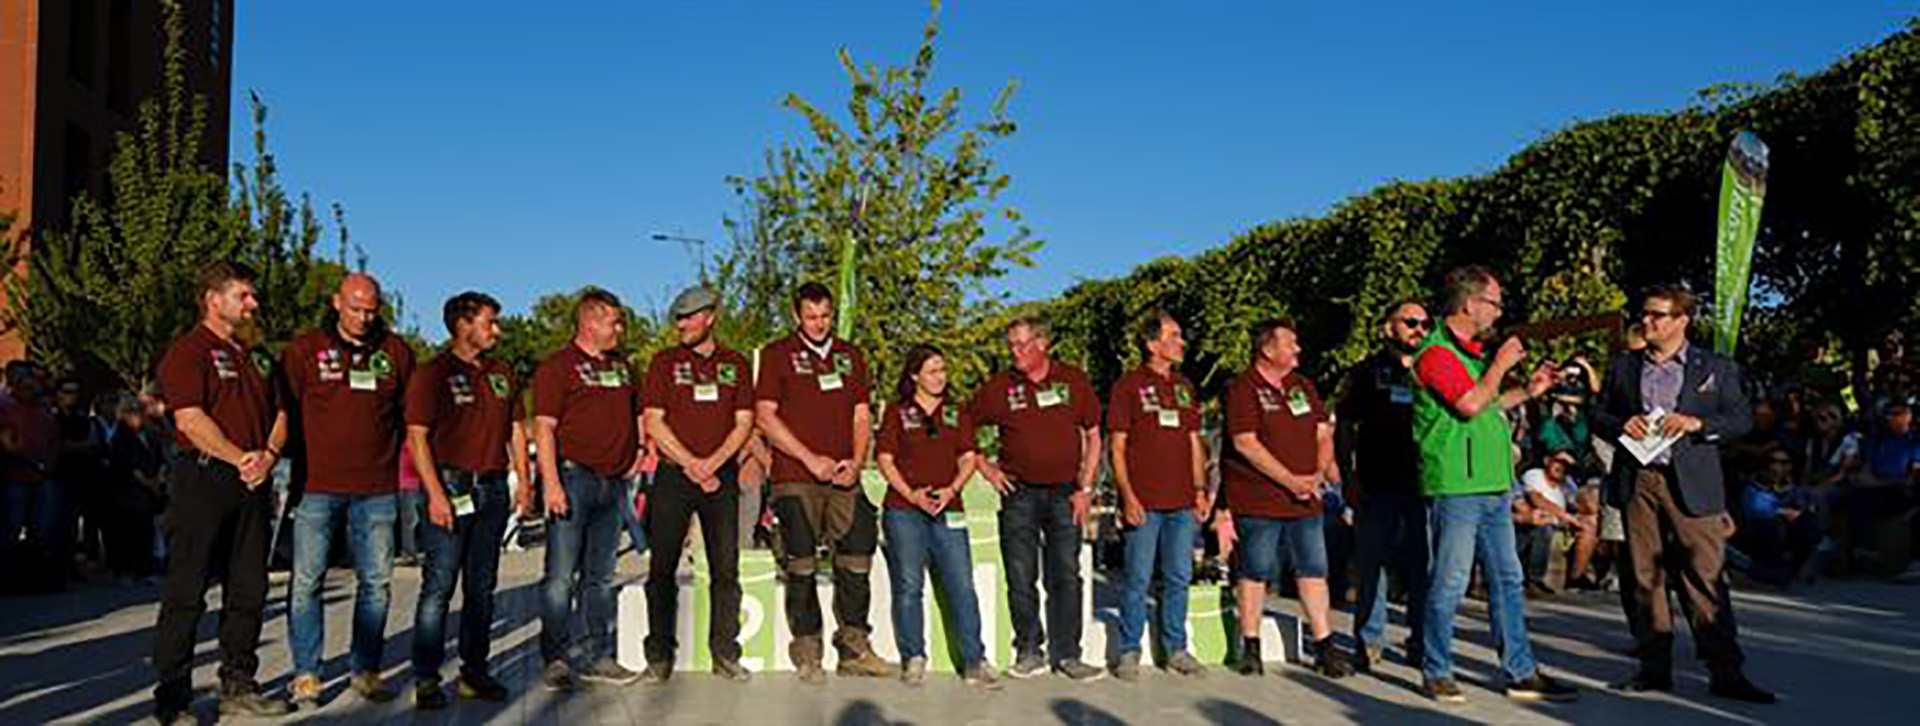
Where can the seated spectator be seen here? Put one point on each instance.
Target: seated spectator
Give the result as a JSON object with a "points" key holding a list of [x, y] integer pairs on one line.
{"points": [[1878, 493], [1779, 526], [1549, 495]]}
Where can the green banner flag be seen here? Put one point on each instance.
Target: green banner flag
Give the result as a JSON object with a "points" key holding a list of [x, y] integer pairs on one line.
{"points": [[849, 289], [1743, 187]]}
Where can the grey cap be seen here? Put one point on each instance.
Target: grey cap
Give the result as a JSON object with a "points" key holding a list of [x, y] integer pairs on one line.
{"points": [[693, 300]]}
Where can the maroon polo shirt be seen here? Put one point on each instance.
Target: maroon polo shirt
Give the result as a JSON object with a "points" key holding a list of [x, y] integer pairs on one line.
{"points": [[226, 380], [816, 395], [597, 404], [1040, 421], [1287, 419], [349, 403], [1159, 415], [700, 394], [926, 447], [469, 410]]}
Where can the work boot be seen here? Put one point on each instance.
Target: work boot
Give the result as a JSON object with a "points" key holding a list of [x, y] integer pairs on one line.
{"points": [[805, 652], [857, 657]]}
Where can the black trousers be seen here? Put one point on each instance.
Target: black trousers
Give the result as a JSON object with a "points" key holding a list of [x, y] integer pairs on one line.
{"points": [[216, 531], [672, 505]]}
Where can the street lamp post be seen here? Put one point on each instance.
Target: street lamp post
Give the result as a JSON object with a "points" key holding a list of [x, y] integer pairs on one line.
{"points": [[689, 244]]}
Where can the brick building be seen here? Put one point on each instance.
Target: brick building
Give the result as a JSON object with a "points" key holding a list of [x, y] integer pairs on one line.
{"points": [[72, 74]]}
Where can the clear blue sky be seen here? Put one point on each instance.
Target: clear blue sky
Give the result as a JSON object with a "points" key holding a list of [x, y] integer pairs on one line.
{"points": [[526, 148]]}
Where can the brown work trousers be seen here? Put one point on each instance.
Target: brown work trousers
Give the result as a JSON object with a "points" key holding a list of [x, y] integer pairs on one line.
{"points": [[1666, 545]]}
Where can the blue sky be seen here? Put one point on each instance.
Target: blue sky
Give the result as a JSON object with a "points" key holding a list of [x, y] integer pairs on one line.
{"points": [[526, 148]]}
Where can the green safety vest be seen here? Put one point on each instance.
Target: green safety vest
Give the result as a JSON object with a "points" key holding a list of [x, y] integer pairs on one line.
{"points": [[1460, 456]]}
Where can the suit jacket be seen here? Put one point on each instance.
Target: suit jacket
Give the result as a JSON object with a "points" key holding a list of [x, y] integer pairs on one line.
{"points": [[1710, 390]]}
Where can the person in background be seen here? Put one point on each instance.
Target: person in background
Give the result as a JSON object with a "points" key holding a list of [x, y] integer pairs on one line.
{"points": [[412, 504], [139, 492], [1780, 525], [1550, 492], [30, 442], [81, 471]]}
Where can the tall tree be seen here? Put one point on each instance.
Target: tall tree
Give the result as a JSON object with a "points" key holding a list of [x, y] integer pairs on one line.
{"points": [[906, 191]]}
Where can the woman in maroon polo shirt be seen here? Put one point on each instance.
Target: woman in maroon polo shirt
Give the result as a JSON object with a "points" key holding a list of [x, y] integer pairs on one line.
{"points": [[926, 453]]}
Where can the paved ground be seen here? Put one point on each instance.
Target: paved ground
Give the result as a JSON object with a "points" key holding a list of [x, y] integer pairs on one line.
{"points": [[1838, 652]]}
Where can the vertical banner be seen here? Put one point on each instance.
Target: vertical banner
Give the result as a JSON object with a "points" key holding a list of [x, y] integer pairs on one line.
{"points": [[1743, 187], [847, 302]]}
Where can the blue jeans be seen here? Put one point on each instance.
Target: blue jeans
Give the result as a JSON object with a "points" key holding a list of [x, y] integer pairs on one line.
{"points": [[413, 516], [1040, 543], [370, 527], [470, 548], [914, 541], [1463, 526], [1262, 540], [581, 551], [34, 507], [1391, 530], [630, 518], [1167, 539]]}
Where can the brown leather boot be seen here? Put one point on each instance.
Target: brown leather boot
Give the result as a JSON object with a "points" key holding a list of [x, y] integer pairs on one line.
{"points": [[806, 652], [857, 657]]}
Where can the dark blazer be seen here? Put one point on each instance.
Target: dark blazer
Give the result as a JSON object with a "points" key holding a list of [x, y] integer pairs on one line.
{"points": [[1710, 390]]}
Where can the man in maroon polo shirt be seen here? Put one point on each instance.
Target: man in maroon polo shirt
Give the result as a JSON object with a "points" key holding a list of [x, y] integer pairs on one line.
{"points": [[1279, 454], [812, 402], [699, 411], [1158, 464], [347, 380], [1049, 420], [586, 412], [230, 429], [464, 430]]}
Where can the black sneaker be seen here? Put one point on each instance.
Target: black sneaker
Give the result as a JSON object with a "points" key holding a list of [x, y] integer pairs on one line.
{"points": [[731, 670], [1538, 687], [1738, 688], [481, 687], [168, 715], [1249, 665], [428, 695], [1443, 690], [1645, 682], [1330, 661]]}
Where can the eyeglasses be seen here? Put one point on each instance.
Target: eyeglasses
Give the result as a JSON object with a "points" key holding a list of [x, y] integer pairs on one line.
{"points": [[1416, 323], [1497, 305], [1658, 314]]}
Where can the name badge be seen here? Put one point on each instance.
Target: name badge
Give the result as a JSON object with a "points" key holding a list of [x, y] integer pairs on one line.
{"points": [[830, 382], [1169, 418], [462, 504], [1400, 395], [1047, 398], [1297, 403], [956, 520], [363, 380], [610, 379], [706, 392]]}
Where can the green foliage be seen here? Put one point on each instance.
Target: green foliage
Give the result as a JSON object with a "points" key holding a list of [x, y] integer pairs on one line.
{"points": [[1575, 223], [902, 179]]}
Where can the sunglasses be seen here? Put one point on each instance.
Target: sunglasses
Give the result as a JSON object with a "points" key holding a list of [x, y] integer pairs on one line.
{"points": [[1416, 323], [1658, 314]]}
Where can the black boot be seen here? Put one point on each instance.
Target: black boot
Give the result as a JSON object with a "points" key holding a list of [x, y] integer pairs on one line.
{"points": [[1250, 664]]}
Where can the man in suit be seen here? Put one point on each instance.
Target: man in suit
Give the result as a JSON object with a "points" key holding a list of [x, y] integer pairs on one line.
{"points": [[1675, 504]]}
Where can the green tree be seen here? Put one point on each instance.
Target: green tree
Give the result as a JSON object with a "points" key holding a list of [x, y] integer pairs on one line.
{"points": [[903, 186]]}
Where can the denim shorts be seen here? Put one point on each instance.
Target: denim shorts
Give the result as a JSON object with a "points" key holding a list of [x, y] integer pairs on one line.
{"points": [[1258, 552]]}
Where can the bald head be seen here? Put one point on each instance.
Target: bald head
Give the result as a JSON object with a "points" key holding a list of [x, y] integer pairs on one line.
{"points": [[358, 304]]}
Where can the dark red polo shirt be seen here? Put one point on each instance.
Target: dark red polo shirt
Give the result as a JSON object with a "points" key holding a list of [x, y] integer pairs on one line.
{"points": [[700, 394], [349, 403], [1159, 415], [926, 447], [1287, 420], [226, 380], [816, 395], [1040, 421], [597, 404], [469, 409]]}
